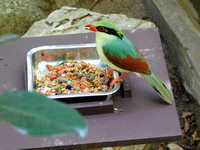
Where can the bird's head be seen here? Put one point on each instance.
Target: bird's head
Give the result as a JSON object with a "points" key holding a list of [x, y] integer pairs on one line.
{"points": [[105, 27]]}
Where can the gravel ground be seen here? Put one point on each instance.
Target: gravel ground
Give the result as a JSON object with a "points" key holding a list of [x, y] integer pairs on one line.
{"points": [[187, 108]]}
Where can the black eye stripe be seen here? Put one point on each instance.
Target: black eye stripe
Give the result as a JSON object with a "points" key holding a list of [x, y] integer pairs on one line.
{"points": [[109, 31]]}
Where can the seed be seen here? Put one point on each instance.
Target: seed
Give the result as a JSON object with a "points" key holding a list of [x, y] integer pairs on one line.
{"points": [[91, 78], [58, 75], [69, 82], [68, 87], [102, 75], [85, 90], [102, 80], [60, 87], [64, 80], [60, 81], [79, 75], [87, 75], [69, 64]]}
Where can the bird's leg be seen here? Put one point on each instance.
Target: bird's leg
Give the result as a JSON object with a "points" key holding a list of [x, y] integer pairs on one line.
{"points": [[110, 71], [118, 79]]}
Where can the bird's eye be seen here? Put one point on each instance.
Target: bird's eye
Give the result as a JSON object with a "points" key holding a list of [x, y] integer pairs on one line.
{"points": [[101, 28]]}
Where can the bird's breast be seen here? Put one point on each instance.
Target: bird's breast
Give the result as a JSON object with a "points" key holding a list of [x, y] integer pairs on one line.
{"points": [[102, 38]]}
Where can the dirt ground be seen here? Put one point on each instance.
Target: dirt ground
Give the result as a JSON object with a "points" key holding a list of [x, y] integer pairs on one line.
{"points": [[187, 107]]}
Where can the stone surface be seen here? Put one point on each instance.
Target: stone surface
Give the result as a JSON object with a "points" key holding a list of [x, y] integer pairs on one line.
{"points": [[73, 20], [131, 147], [183, 39], [132, 8], [71, 3], [17, 15], [173, 146], [193, 12]]}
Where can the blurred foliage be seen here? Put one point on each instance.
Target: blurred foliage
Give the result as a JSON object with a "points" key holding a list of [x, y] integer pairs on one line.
{"points": [[8, 37], [36, 115]]}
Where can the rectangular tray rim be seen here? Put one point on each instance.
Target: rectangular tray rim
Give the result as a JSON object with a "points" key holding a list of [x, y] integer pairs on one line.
{"points": [[70, 46]]}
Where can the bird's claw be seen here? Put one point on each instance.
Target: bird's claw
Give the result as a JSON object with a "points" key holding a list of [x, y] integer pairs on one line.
{"points": [[114, 81], [110, 72]]}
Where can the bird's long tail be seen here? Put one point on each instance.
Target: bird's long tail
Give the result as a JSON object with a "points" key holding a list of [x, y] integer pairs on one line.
{"points": [[159, 86]]}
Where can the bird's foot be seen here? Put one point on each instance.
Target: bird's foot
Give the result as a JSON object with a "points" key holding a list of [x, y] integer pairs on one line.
{"points": [[114, 81], [110, 72], [118, 79]]}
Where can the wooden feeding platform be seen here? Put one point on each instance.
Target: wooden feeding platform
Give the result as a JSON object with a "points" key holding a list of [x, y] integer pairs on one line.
{"points": [[139, 116]]}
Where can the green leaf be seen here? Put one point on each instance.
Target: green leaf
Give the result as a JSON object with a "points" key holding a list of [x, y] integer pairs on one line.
{"points": [[62, 63], [36, 115], [8, 37]]}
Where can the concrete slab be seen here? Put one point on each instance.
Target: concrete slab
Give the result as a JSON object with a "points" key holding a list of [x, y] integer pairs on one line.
{"points": [[183, 38]]}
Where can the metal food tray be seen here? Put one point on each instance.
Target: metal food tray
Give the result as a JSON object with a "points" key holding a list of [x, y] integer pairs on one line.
{"points": [[38, 57]]}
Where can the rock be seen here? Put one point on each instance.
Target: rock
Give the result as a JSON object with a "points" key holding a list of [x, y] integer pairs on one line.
{"points": [[183, 37], [174, 146], [131, 147], [73, 20], [18, 15], [71, 3], [198, 146]]}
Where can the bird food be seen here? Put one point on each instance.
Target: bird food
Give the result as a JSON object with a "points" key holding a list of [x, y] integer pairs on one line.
{"points": [[73, 77]]}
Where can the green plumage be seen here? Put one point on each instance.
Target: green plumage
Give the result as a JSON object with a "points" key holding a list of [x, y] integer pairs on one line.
{"points": [[121, 48], [120, 54], [159, 86]]}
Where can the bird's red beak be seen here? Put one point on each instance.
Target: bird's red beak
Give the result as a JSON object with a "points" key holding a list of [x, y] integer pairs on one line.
{"points": [[90, 27]]}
